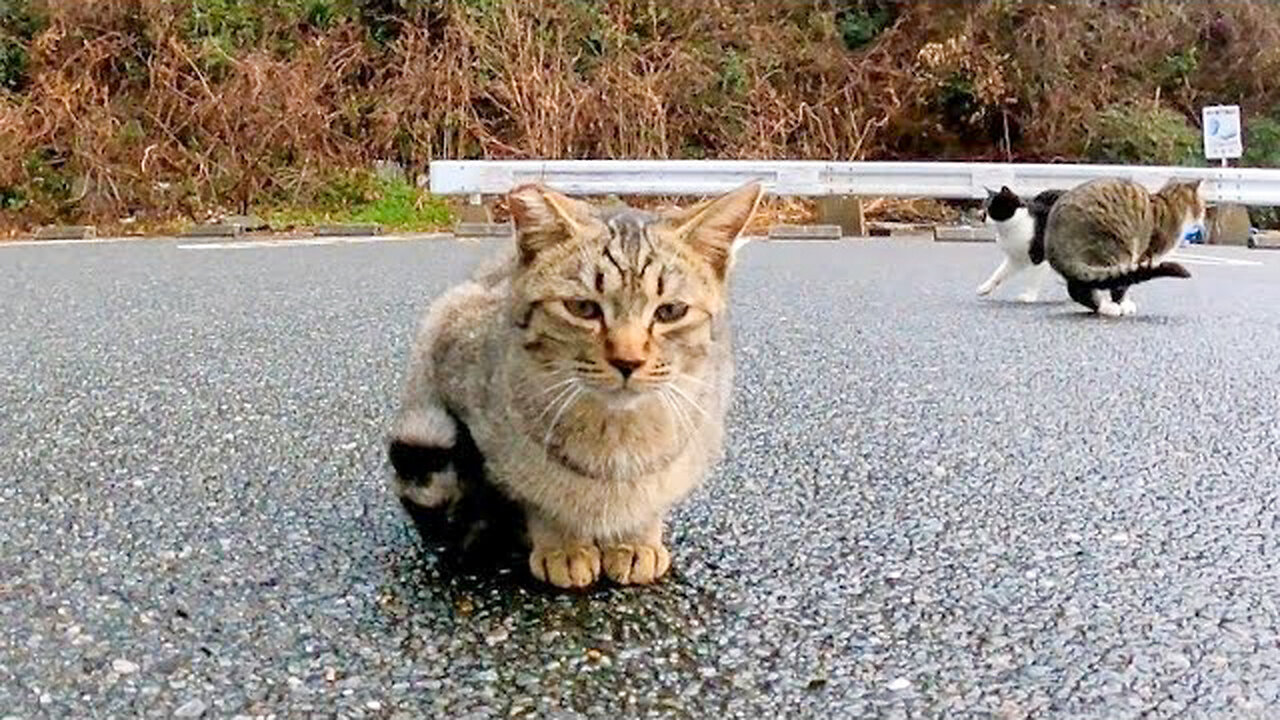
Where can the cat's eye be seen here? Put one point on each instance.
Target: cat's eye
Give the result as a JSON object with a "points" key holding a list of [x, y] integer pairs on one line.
{"points": [[670, 312], [585, 309]]}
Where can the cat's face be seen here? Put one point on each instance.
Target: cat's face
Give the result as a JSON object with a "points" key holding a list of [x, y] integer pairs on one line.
{"points": [[621, 302], [1190, 197], [1000, 206]]}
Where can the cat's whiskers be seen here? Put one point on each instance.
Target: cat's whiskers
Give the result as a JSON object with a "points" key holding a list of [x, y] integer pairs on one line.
{"points": [[543, 392], [555, 401], [574, 394], [686, 377], [688, 399], [685, 420], [667, 405]]}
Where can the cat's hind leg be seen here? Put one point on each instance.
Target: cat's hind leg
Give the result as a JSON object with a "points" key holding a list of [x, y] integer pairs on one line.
{"points": [[1082, 294], [1120, 296], [1099, 301], [996, 278]]}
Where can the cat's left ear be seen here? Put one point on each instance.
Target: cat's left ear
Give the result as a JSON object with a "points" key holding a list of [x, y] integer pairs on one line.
{"points": [[712, 227]]}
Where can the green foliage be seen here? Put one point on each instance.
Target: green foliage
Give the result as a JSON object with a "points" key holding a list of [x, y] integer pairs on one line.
{"points": [[957, 100], [12, 198], [1262, 149], [46, 179], [361, 197], [733, 75], [13, 65], [1143, 134], [1177, 68], [1261, 142], [863, 21], [19, 22]]}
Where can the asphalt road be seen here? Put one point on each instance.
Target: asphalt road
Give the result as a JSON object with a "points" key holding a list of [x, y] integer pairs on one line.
{"points": [[932, 506]]}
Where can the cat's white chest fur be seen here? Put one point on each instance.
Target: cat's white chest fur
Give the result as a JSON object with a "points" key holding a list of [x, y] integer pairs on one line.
{"points": [[1014, 235]]}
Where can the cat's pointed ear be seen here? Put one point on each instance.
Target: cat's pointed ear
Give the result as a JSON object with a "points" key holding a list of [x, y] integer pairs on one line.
{"points": [[712, 227], [1005, 190], [1202, 188], [544, 218]]}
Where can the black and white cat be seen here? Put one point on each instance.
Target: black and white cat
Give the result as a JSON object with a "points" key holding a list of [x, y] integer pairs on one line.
{"points": [[1020, 234]]}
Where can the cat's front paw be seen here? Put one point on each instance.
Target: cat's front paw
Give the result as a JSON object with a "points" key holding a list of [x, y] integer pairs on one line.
{"points": [[1128, 307], [985, 288], [1028, 297], [572, 567], [636, 564]]}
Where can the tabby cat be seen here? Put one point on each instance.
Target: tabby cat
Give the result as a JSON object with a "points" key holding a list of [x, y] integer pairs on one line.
{"points": [[1020, 234], [585, 379], [1108, 234]]}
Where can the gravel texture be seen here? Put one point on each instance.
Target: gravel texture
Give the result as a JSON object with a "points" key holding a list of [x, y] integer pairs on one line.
{"points": [[932, 506]]}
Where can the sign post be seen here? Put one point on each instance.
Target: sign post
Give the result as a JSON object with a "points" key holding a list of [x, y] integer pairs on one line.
{"points": [[1222, 138]]}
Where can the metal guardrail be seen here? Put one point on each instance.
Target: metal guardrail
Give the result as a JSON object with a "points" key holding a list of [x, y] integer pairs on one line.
{"points": [[952, 180]]}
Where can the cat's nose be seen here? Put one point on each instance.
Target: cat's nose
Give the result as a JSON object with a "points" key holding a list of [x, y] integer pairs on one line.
{"points": [[626, 366]]}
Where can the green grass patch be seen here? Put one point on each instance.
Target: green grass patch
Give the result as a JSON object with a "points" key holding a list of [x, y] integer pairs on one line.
{"points": [[361, 198]]}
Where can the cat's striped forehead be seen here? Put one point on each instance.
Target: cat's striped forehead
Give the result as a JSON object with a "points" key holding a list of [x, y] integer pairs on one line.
{"points": [[631, 252]]}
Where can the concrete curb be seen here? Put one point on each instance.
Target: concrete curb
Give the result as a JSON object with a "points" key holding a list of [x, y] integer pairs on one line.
{"points": [[889, 229], [66, 232], [805, 232], [217, 230], [347, 230], [964, 234], [1266, 240], [483, 229]]}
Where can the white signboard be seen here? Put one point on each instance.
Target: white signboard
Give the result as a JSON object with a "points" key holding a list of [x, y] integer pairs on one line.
{"points": [[1222, 138]]}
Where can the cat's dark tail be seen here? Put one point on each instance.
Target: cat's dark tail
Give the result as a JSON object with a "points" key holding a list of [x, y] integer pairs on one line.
{"points": [[1140, 274]]}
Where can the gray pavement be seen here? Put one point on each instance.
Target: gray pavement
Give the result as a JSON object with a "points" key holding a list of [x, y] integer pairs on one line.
{"points": [[932, 506]]}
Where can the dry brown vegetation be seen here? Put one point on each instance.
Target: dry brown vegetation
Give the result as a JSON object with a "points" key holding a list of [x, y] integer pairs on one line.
{"points": [[167, 108]]}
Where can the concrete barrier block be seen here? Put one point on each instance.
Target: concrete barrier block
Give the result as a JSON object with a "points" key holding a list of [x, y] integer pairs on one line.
{"points": [[805, 232], [892, 229], [483, 229], [66, 232], [347, 230], [1269, 239], [214, 230], [964, 234]]}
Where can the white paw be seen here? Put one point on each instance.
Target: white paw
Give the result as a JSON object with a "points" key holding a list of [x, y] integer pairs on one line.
{"points": [[1109, 309], [1029, 297], [986, 288], [1127, 307]]}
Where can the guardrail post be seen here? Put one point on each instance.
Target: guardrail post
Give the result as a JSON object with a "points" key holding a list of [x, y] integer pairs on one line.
{"points": [[474, 210], [1228, 224], [845, 211]]}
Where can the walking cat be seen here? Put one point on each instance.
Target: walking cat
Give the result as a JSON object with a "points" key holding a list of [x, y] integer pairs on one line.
{"points": [[585, 379], [1020, 234], [1107, 235]]}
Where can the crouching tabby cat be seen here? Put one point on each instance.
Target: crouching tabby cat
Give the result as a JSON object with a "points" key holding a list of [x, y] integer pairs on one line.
{"points": [[585, 380], [1020, 235], [1109, 234]]}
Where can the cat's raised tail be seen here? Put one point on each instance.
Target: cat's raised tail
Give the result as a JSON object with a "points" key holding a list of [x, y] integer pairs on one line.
{"points": [[1134, 275]]}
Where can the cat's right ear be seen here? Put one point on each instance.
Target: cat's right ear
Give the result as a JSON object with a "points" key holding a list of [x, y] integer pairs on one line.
{"points": [[544, 218]]}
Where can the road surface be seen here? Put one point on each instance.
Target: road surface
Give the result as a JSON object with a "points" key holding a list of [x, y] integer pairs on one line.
{"points": [[932, 506]]}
